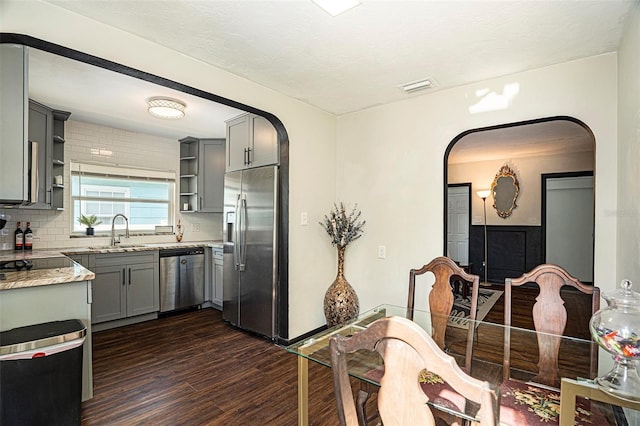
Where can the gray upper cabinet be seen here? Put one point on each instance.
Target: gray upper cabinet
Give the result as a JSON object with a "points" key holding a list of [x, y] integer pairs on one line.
{"points": [[46, 146], [14, 155], [211, 166], [252, 141], [31, 138], [202, 167], [40, 136], [56, 159]]}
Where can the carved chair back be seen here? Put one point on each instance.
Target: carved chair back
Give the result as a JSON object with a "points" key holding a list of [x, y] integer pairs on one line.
{"points": [[406, 349], [549, 317], [441, 298]]}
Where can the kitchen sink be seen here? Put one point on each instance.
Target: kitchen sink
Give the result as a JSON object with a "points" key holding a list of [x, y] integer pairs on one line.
{"points": [[117, 246]]}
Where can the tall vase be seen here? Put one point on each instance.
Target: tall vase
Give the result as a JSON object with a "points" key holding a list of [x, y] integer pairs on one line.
{"points": [[340, 301]]}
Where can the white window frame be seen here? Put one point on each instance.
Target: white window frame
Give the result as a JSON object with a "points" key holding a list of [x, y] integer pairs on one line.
{"points": [[118, 172]]}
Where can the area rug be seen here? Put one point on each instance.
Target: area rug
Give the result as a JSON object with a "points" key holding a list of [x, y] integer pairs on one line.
{"points": [[459, 317]]}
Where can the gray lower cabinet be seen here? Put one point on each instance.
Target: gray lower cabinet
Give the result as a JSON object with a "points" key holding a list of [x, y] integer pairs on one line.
{"points": [[126, 285], [217, 278]]}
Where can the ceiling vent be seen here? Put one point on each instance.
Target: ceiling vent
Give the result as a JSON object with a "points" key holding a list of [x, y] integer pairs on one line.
{"points": [[414, 86]]}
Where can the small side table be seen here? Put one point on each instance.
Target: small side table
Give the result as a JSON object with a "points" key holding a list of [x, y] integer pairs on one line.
{"points": [[570, 388]]}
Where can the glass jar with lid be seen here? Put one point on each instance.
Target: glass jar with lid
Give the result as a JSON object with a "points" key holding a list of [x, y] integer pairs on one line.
{"points": [[616, 328]]}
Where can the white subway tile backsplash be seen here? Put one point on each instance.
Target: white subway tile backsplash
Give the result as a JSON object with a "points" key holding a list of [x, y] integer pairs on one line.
{"points": [[95, 143]]}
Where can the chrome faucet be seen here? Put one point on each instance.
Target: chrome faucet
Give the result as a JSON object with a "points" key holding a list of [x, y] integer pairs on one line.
{"points": [[113, 236]]}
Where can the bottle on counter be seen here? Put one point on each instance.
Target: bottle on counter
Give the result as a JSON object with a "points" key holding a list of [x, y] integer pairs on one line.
{"points": [[18, 238], [28, 237]]}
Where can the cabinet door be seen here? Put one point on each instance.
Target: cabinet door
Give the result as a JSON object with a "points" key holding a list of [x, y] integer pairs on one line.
{"points": [[41, 141], [142, 289], [109, 294], [211, 177], [238, 133], [217, 283], [264, 149], [13, 122]]}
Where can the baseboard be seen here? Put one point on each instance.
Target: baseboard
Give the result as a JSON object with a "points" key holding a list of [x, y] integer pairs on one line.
{"points": [[122, 322], [287, 342]]}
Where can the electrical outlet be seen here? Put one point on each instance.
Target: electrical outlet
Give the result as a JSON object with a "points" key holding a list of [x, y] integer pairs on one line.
{"points": [[382, 252], [195, 227], [304, 219]]}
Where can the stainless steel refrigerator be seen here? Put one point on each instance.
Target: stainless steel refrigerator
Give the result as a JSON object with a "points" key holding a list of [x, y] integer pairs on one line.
{"points": [[250, 253]]}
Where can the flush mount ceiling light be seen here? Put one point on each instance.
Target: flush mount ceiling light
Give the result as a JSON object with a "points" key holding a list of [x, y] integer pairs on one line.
{"points": [[336, 7], [165, 107], [414, 86]]}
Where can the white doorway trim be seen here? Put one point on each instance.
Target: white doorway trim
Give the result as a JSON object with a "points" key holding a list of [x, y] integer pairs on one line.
{"points": [[458, 222]]}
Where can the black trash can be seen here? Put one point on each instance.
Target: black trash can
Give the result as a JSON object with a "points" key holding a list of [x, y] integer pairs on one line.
{"points": [[41, 374]]}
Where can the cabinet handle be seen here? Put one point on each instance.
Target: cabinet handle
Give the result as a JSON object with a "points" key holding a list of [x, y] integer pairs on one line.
{"points": [[249, 159], [245, 157], [129, 276], [124, 275]]}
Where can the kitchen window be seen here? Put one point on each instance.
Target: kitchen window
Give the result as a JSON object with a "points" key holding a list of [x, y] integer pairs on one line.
{"points": [[144, 196]]}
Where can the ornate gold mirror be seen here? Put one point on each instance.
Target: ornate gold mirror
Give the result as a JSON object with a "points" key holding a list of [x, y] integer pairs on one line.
{"points": [[505, 189]]}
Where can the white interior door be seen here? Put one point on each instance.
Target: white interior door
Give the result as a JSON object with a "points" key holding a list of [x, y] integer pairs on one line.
{"points": [[458, 224], [569, 225]]}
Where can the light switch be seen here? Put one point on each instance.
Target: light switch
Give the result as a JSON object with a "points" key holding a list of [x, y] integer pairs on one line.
{"points": [[304, 219]]}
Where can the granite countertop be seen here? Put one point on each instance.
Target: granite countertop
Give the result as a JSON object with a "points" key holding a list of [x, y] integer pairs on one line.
{"points": [[39, 277], [124, 248], [75, 271]]}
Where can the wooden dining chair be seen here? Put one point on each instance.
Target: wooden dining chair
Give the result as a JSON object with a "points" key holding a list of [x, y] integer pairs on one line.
{"points": [[440, 305], [407, 350], [441, 299], [549, 319]]}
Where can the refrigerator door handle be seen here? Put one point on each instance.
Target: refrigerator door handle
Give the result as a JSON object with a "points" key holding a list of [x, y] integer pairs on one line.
{"points": [[243, 230], [236, 236]]}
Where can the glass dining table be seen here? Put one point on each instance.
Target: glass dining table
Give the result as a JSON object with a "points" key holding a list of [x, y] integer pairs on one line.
{"points": [[488, 359]]}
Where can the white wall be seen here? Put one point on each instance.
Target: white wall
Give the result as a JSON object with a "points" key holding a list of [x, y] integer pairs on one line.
{"points": [[391, 159], [528, 170], [628, 208], [311, 132]]}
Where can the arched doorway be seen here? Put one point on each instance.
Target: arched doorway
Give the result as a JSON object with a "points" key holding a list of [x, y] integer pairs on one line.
{"points": [[533, 148]]}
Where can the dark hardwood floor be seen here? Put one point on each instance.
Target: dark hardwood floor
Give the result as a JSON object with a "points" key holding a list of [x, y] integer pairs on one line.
{"points": [[194, 369]]}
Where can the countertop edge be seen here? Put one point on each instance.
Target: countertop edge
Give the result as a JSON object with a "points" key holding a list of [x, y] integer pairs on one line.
{"points": [[36, 278], [45, 277]]}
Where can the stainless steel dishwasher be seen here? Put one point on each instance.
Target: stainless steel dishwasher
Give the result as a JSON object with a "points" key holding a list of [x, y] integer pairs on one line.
{"points": [[181, 278]]}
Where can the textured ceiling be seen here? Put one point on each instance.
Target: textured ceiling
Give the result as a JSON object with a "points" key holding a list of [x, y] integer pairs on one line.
{"points": [[531, 140], [357, 59], [341, 64], [104, 97]]}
